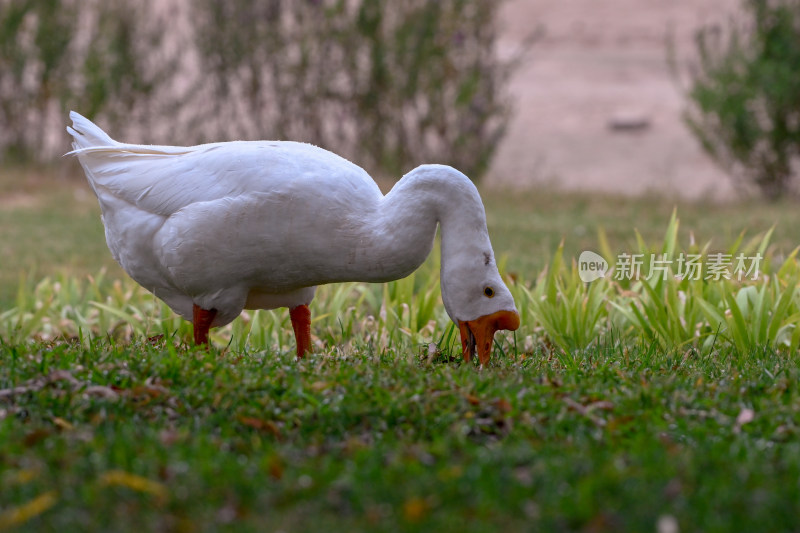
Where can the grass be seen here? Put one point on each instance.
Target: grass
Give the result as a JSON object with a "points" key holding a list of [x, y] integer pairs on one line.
{"points": [[557, 309], [137, 437], [51, 225], [527, 226], [593, 418]]}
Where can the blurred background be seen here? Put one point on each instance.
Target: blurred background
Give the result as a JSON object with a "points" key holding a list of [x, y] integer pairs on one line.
{"points": [[578, 95], [593, 113], [597, 103]]}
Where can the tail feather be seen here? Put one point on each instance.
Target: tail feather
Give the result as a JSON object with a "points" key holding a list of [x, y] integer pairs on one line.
{"points": [[131, 171], [86, 134]]}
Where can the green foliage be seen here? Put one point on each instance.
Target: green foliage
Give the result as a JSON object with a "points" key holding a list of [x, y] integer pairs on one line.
{"points": [[672, 310], [572, 314], [585, 420], [134, 437], [389, 84], [393, 315], [745, 95]]}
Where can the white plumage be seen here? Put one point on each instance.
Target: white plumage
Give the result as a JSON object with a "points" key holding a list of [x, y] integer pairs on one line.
{"points": [[218, 228]]}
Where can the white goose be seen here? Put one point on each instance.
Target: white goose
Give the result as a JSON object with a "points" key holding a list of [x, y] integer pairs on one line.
{"points": [[217, 228]]}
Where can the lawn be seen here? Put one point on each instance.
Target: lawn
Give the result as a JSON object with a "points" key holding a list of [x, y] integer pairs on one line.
{"points": [[143, 438], [105, 434]]}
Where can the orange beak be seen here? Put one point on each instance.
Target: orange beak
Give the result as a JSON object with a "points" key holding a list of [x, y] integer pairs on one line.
{"points": [[479, 333]]}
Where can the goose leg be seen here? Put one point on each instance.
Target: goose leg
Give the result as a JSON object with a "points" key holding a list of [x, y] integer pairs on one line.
{"points": [[202, 319], [301, 324]]}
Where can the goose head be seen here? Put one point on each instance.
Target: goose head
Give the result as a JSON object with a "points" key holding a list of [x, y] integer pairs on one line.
{"points": [[473, 292], [478, 301]]}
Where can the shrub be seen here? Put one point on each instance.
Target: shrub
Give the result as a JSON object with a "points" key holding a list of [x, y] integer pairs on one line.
{"points": [[34, 37], [97, 57], [745, 95], [390, 84]]}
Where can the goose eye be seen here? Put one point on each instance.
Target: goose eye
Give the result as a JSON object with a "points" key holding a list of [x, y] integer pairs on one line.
{"points": [[488, 292]]}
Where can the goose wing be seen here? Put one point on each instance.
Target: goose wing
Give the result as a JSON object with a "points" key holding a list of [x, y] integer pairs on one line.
{"points": [[165, 179]]}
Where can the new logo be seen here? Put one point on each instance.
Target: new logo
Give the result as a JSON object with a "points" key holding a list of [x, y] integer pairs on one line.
{"points": [[591, 266]]}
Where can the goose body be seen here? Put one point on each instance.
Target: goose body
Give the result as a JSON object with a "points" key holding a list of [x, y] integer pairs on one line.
{"points": [[217, 228]]}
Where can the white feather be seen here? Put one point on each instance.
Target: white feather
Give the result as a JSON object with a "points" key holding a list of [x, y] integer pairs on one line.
{"points": [[260, 224]]}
